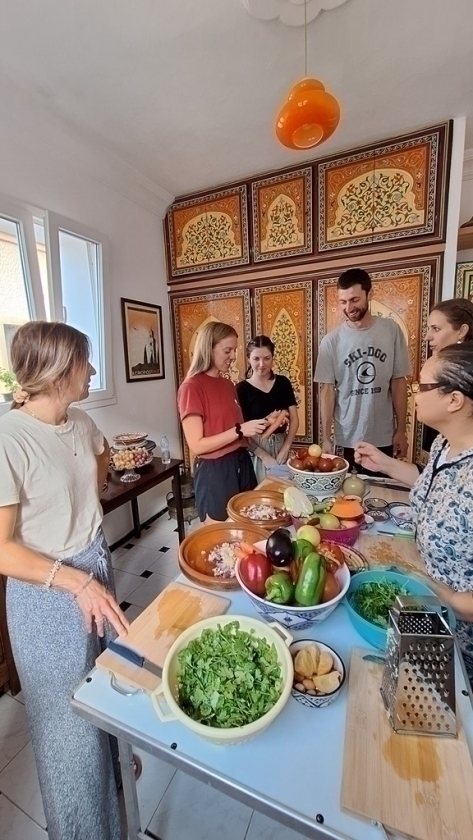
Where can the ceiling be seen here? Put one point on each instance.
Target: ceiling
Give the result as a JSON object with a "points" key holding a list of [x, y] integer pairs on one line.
{"points": [[186, 91]]}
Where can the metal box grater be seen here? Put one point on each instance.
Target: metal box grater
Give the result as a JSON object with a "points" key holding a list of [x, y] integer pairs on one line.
{"points": [[418, 686]]}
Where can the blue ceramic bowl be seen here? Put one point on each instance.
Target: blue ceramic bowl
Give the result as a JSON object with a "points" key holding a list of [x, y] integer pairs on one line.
{"points": [[373, 633]]}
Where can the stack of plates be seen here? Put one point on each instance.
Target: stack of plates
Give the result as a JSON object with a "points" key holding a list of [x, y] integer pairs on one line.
{"points": [[133, 440]]}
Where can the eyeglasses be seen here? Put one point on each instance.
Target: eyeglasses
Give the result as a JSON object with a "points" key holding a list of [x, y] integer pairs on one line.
{"points": [[420, 387]]}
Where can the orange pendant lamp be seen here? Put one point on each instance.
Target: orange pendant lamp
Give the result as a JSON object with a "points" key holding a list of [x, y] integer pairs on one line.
{"points": [[311, 114]]}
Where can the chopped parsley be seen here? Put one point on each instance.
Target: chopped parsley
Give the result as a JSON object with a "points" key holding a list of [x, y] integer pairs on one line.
{"points": [[228, 677], [374, 600]]}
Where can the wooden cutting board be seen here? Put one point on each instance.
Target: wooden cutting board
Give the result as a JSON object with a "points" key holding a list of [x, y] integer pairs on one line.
{"points": [[155, 630], [415, 785]]}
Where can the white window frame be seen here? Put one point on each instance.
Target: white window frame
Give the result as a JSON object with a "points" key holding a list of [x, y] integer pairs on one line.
{"points": [[54, 223], [24, 216]]}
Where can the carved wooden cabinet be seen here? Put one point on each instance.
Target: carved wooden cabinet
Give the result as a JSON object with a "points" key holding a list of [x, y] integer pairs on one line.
{"points": [[264, 255]]}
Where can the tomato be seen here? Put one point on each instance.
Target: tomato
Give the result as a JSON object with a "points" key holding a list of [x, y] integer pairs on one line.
{"points": [[334, 557], [331, 588], [255, 569]]}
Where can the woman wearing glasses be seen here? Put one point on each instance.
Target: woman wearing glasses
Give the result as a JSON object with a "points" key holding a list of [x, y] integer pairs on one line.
{"points": [[451, 322], [442, 494]]}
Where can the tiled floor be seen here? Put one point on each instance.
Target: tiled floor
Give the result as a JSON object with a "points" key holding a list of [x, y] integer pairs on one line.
{"points": [[142, 569]]}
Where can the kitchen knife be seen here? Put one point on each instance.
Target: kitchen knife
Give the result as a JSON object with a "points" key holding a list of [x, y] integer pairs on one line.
{"points": [[135, 658]]}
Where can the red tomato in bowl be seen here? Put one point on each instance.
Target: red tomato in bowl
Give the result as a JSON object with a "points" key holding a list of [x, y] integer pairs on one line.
{"points": [[331, 588], [255, 569], [334, 556]]}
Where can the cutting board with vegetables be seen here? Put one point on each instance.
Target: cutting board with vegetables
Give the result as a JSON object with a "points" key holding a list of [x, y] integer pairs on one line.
{"points": [[415, 785], [155, 630]]}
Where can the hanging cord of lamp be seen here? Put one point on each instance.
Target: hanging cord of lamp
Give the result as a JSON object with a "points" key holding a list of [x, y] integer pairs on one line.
{"points": [[311, 114]]}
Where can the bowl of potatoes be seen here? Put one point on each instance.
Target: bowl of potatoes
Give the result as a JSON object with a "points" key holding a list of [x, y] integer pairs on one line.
{"points": [[319, 673]]}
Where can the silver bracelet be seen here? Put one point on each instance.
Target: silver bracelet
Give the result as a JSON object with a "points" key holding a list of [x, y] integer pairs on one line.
{"points": [[52, 574], [84, 585]]}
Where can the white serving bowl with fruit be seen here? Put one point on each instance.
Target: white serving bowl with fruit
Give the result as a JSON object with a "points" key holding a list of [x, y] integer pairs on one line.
{"points": [[316, 473], [291, 581], [319, 673]]}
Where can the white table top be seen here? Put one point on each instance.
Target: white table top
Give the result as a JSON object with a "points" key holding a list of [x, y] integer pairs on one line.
{"points": [[291, 772]]}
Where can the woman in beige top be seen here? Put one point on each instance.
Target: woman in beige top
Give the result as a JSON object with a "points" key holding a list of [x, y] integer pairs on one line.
{"points": [[61, 608]]}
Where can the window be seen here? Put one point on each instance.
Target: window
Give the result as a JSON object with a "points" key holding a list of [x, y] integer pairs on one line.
{"points": [[53, 268]]}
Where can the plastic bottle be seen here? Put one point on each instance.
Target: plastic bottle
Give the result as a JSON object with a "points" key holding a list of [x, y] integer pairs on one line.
{"points": [[165, 450]]}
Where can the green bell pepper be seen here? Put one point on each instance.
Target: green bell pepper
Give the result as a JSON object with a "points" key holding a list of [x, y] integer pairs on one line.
{"points": [[311, 581], [279, 588], [301, 549]]}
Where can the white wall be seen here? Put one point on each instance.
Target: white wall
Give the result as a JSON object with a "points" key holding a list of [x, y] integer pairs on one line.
{"points": [[466, 202], [42, 165]]}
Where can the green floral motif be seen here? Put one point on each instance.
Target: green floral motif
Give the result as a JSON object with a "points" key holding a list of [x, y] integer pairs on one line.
{"points": [[379, 201], [282, 226], [208, 239], [284, 337]]}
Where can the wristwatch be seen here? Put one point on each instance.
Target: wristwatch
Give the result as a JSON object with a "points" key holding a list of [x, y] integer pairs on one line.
{"points": [[238, 430]]}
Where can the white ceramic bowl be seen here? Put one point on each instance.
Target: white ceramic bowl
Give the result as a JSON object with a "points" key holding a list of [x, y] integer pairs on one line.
{"points": [[167, 692], [319, 483], [319, 700], [297, 618]]}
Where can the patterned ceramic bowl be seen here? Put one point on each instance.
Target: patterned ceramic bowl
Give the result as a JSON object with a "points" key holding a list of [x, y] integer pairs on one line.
{"points": [[318, 483], [401, 515], [317, 701], [297, 618]]}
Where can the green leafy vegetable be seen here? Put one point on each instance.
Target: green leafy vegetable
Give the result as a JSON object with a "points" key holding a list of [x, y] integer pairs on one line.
{"points": [[374, 600], [228, 677]]}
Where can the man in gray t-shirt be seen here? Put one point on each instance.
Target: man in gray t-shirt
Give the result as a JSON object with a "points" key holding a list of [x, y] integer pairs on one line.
{"points": [[361, 368]]}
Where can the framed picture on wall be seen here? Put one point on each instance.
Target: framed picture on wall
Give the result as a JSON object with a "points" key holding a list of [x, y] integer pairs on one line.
{"points": [[464, 281], [142, 340]]}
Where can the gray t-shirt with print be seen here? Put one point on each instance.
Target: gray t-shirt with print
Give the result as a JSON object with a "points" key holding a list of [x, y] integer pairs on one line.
{"points": [[361, 363]]}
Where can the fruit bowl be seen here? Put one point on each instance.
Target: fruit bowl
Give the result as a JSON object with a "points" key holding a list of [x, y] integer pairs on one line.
{"points": [[319, 483], [296, 617], [168, 690], [341, 536], [146, 463]]}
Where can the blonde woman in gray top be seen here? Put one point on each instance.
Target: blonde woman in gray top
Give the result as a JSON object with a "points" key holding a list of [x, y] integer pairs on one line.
{"points": [[61, 608]]}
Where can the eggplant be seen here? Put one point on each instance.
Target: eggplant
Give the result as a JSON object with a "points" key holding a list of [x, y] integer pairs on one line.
{"points": [[280, 548]]}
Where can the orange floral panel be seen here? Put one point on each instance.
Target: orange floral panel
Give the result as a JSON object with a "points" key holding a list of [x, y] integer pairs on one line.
{"points": [[284, 313], [282, 215], [210, 232], [193, 312], [394, 191]]}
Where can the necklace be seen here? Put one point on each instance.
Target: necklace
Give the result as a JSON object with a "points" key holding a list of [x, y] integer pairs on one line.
{"points": [[61, 438]]}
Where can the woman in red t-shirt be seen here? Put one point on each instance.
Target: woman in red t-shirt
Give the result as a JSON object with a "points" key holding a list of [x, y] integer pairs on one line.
{"points": [[213, 423]]}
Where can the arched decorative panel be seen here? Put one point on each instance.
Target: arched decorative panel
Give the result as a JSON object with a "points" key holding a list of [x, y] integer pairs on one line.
{"points": [[284, 312]]}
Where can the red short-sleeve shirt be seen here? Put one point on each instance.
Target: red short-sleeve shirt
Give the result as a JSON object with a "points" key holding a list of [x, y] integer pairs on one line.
{"points": [[213, 398]]}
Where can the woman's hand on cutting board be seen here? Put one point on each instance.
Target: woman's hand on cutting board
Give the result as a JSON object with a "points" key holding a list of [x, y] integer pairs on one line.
{"points": [[97, 605]]}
